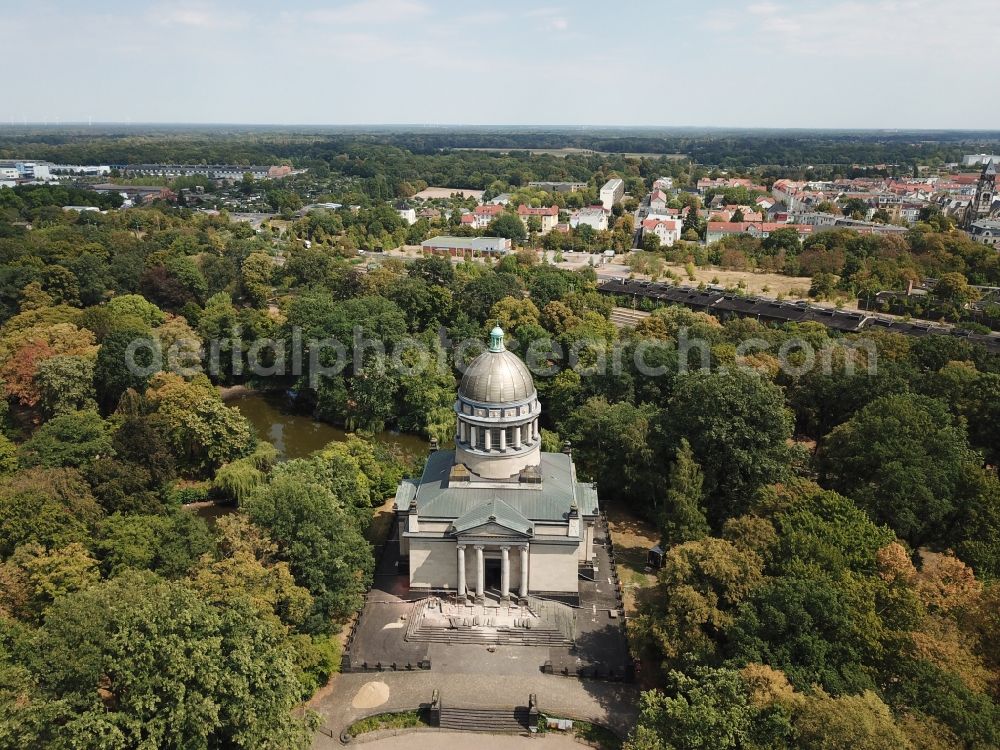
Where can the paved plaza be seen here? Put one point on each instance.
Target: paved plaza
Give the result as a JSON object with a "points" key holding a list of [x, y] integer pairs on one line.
{"points": [[474, 674], [349, 697], [437, 740], [593, 644]]}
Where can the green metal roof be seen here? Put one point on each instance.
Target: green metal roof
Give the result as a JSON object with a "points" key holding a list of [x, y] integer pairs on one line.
{"points": [[547, 502]]}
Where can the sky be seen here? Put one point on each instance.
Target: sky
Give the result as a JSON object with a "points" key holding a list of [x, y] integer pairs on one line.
{"points": [[769, 63]]}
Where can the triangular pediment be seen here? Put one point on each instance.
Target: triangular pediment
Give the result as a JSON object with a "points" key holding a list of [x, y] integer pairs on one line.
{"points": [[492, 529], [494, 518]]}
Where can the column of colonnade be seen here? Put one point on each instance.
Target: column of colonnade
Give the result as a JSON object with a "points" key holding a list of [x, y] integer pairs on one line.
{"points": [[505, 582], [473, 435]]}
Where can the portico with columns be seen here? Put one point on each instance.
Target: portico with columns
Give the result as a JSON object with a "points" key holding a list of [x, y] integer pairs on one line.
{"points": [[497, 518]]}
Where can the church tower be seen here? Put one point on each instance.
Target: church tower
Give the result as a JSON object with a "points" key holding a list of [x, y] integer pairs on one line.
{"points": [[986, 190]]}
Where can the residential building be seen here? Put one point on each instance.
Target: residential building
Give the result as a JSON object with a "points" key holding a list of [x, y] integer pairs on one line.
{"points": [[612, 192], [663, 183], [719, 229], [595, 217], [481, 216], [444, 245], [667, 230], [828, 221], [86, 170], [557, 187], [657, 200], [497, 515], [548, 217], [408, 215], [986, 231], [721, 183], [212, 171], [503, 199], [975, 160]]}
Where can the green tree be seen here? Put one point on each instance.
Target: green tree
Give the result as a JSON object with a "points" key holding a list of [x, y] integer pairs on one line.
{"points": [[169, 544], [904, 460], [66, 383], [52, 507], [954, 287], [203, 432], [8, 457], [321, 543], [35, 577], [612, 444], [703, 582], [179, 673], [507, 225], [738, 428], [131, 307], [255, 276], [860, 722], [479, 295], [113, 373], [70, 439], [683, 517], [817, 630], [711, 708], [823, 285], [650, 242]]}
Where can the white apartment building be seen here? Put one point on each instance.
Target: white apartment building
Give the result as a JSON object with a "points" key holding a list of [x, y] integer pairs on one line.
{"points": [[668, 230], [612, 192], [595, 217]]}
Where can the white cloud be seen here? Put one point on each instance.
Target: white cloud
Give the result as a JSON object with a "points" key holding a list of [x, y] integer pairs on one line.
{"points": [[372, 11], [877, 29], [197, 15]]}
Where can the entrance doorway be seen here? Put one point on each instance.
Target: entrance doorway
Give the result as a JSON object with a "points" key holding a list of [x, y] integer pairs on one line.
{"points": [[492, 574]]}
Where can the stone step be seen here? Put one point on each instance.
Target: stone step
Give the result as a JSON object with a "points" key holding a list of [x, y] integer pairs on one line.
{"points": [[485, 719], [501, 637]]}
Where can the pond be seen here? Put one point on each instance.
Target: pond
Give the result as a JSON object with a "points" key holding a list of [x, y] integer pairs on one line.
{"points": [[298, 435]]}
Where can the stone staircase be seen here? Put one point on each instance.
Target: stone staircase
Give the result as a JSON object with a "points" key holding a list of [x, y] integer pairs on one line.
{"points": [[478, 630], [489, 720], [481, 630], [488, 637]]}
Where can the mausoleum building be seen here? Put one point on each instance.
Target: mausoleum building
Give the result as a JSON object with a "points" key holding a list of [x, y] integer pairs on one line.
{"points": [[497, 515]]}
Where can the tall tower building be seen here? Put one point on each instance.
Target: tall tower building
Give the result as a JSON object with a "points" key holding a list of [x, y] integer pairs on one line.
{"points": [[986, 190]]}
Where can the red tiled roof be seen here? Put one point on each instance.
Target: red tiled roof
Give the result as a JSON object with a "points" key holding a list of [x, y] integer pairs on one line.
{"points": [[653, 223], [739, 227], [488, 210], [524, 210]]}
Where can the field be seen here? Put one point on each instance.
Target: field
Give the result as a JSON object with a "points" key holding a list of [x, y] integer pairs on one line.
{"points": [[767, 284]]}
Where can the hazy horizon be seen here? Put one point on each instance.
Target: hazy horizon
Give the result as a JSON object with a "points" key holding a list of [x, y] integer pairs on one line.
{"points": [[480, 127]]}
